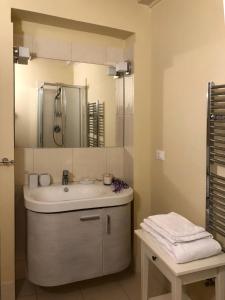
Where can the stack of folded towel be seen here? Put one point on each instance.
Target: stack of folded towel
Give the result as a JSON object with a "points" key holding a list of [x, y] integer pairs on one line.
{"points": [[183, 240]]}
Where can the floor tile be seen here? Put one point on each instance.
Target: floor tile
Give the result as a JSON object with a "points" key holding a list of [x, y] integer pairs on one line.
{"points": [[131, 284], [102, 291], [24, 288], [198, 291], [72, 287], [31, 297], [59, 293]]}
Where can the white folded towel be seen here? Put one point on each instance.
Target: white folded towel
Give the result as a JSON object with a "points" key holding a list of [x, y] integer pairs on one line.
{"points": [[176, 239], [189, 251], [176, 228]]}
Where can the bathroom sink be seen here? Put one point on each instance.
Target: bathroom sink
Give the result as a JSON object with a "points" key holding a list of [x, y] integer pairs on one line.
{"points": [[75, 196]]}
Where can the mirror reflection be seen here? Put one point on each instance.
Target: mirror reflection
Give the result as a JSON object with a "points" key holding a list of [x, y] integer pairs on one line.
{"points": [[66, 104]]}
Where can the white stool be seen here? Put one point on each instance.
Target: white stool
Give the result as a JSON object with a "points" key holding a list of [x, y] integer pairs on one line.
{"points": [[178, 274]]}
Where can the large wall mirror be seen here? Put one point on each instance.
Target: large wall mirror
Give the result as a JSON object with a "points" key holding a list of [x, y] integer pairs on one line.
{"points": [[67, 104]]}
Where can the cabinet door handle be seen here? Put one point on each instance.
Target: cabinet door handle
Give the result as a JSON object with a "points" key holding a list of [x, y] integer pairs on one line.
{"points": [[89, 218], [108, 224]]}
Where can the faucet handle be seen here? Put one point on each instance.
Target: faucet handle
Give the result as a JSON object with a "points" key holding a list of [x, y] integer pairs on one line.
{"points": [[65, 173]]}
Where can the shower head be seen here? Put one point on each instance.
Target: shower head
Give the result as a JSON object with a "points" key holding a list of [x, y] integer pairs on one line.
{"points": [[58, 93]]}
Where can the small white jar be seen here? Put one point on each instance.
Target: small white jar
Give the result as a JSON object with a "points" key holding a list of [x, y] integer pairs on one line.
{"points": [[33, 180], [107, 179], [44, 179]]}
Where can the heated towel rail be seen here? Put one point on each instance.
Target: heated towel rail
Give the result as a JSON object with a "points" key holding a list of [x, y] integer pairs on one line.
{"points": [[216, 159], [96, 124]]}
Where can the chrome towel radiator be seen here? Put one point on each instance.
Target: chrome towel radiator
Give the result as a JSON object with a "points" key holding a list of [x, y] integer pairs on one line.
{"points": [[215, 218], [96, 124]]}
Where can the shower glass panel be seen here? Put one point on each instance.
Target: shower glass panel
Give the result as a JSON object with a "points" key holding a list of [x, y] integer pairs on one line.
{"points": [[62, 116]]}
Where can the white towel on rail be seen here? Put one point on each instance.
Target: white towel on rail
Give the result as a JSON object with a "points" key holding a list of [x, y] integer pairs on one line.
{"points": [[189, 251], [176, 228]]}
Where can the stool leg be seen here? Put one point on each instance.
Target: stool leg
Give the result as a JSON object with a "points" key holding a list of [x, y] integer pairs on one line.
{"points": [[220, 284], [144, 273], [177, 290]]}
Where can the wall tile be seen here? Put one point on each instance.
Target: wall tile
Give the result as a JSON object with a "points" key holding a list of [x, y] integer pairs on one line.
{"points": [[115, 158], [23, 40], [88, 53], [24, 164], [129, 94], [128, 131], [53, 161], [119, 130], [89, 162], [129, 53], [114, 55], [128, 166], [49, 48], [119, 97]]}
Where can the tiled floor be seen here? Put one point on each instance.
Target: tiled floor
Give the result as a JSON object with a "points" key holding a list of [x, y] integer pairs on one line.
{"points": [[125, 286]]}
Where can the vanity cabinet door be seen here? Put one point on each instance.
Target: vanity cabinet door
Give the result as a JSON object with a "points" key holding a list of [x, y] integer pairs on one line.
{"points": [[116, 238], [64, 247]]}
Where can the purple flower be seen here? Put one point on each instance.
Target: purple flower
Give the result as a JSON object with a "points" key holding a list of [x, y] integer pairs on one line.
{"points": [[119, 185]]}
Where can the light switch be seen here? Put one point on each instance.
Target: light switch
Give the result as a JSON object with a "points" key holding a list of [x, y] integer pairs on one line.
{"points": [[160, 154]]}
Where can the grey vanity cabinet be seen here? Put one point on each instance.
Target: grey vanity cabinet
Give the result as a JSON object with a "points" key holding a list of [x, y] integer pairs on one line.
{"points": [[64, 247], [116, 239], [77, 245]]}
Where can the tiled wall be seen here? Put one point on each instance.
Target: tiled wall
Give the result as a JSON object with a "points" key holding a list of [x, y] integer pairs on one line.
{"points": [[50, 48], [83, 162], [128, 129]]}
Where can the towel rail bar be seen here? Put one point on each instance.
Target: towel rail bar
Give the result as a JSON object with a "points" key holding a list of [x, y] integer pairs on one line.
{"points": [[220, 191], [215, 203], [220, 93], [217, 211], [216, 154], [218, 224], [217, 98], [217, 176], [218, 162], [217, 183], [217, 148], [220, 197], [216, 229], [217, 134], [217, 86], [217, 141]]}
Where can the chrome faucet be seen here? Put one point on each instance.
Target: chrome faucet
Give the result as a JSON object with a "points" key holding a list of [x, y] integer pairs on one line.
{"points": [[65, 177]]}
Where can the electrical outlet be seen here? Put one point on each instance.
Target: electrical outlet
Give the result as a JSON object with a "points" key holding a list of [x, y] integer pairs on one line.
{"points": [[160, 155]]}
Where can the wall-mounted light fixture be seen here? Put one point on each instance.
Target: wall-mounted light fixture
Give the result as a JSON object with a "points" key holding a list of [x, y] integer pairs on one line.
{"points": [[124, 67], [21, 55], [121, 69]]}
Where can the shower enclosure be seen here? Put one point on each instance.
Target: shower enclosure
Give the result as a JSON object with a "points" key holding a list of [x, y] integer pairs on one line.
{"points": [[62, 116]]}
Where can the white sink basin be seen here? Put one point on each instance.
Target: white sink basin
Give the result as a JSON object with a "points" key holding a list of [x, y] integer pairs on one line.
{"points": [[76, 196]]}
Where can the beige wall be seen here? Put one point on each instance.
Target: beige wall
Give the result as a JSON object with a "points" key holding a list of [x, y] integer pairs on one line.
{"points": [[187, 52], [27, 80], [126, 15]]}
